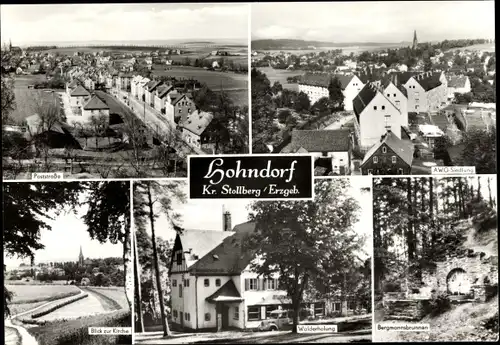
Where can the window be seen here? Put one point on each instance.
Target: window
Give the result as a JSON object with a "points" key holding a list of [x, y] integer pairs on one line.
{"points": [[370, 172], [319, 309], [271, 284], [174, 283], [416, 94], [394, 159], [374, 107], [206, 282], [388, 95], [180, 290], [351, 305], [384, 149], [175, 313], [383, 107], [397, 104], [251, 284], [336, 306], [375, 159], [217, 282], [400, 171], [236, 313], [394, 95], [180, 111], [269, 309], [187, 317], [207, 316], [253, 313], [186, 282], [178, 258]]}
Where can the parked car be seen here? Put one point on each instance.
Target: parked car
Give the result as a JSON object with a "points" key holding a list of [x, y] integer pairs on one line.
{"points": [[281, 320]]}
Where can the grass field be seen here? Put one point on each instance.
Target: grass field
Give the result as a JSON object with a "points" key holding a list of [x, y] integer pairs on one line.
{"points": [[41, 293], [26, 98], [487, 47], [280, 75], [236, 85]]}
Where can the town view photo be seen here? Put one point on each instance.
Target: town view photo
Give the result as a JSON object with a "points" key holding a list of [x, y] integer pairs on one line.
{"points": [[124, 90], [67, 262], [252, 271], [391, 96]]}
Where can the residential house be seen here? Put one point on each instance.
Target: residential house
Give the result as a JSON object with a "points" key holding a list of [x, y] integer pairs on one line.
{"points": [[95, 107], [123, 81], [54, 135], [397, 94], [375, 114], [427, 92], [214, 286], [134, 85], [390, 156], [315, 86], [193, 126], [458, 84], [330, 148], [141, 89], [89, 83], [149, 91], [178, 104], [161, 100], [72, 85], [78, 97]]}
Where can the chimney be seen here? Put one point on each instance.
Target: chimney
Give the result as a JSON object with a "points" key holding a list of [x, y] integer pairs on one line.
{"points": [[226, 220]]}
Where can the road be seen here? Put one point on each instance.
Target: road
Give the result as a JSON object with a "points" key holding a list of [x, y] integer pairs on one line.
{"points": [[338, 124]]}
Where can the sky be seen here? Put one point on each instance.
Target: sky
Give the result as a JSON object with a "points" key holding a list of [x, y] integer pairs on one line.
{"points": [[63, 242], [207, 214], [25, 24], [378, 21]]}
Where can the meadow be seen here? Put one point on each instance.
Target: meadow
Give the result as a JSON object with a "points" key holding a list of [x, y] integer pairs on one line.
{"points": [[487, 47], [41, 293], [281, 75], [115, 296]]}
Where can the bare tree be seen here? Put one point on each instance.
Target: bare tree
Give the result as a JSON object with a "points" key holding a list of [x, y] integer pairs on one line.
{"points": [[98, 125], [135, 134]]}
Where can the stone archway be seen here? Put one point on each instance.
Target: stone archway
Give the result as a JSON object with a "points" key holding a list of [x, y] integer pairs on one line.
{"points": [[458, 282]]}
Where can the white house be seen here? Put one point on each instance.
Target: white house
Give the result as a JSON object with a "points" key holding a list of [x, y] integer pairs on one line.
{"points": [[213, 286], [95, 107], [79, 96], [459, 84], [427, 92], [193, 126], [315, 86], [397, 95], [376, 114], [332, 146]]}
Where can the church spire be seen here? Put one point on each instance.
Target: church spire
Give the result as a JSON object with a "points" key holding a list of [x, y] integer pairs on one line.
{"points": [[80, 257], [415, 41]]}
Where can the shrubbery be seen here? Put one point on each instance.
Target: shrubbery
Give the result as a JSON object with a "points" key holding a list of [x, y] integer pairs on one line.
{"points": [[50, 309], [439, 305]]}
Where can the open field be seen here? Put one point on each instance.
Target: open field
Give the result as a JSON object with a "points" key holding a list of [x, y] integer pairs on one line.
{"points": [[280, 75], [39, 293], [487, 47], [26, 99], [232, 83]]}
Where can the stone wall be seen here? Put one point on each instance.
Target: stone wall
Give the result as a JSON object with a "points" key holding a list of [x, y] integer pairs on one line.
{"points": [[479, 269], [409, 310]]}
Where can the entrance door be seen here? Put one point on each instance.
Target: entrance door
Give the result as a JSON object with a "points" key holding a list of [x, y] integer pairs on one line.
{"points": [[225, 317], [181, 315]]}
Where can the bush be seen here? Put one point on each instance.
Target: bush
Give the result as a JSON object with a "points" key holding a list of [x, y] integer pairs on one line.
{"points": [[439, 305], [50, 309], [391, 287], [75, 331]]}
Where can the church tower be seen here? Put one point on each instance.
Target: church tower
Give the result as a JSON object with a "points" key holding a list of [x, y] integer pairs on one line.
{"points": [[415, 41], [80, 257]]}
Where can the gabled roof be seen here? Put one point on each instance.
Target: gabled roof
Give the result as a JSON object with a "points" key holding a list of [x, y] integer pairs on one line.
{"points": [[95, 103], [320, 140], [79, 91], [34, 122], [428, 80], [403, 149], [392, 79], [457, 81], [164, 90], [152, 85], [200, 242], [323, 79], [363, 98], [227, 292], [229, 257], [176, 100], [197, 121]]}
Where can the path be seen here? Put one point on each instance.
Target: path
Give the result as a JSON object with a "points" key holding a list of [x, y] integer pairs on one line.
{"points": [[338, 124], [25, 336]]}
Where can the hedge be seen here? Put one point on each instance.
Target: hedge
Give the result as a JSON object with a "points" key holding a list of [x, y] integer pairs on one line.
{"points": [[50, 309], [48, 299], [76, 331]]}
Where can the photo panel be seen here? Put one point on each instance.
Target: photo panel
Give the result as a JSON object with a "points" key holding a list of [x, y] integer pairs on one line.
{"points": [[400, 98], [125, 90], [435, 259], [67, 263], [247, 271]]}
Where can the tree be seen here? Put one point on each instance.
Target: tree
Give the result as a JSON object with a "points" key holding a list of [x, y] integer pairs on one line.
{"points": [[108, 220], [335, 93], [284, 115], [322, 106], [276, 88], [302, 104], [98, 125], [301, 240], [147, 195], [479, 150]]}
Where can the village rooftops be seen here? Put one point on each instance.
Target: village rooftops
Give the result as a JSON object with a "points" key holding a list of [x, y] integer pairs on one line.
{"points": [[402, 148], [197, 122], [320, 141], [457, 81], [95, 103], [428, 80], [364, 97], [80, 91], [163, 90]]}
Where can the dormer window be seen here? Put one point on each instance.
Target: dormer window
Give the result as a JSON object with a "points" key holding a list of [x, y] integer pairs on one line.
{"points": [[384, 149]]}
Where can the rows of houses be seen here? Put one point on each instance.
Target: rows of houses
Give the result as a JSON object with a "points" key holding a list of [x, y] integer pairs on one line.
{"points": [[214, 286], [381, 129]]}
